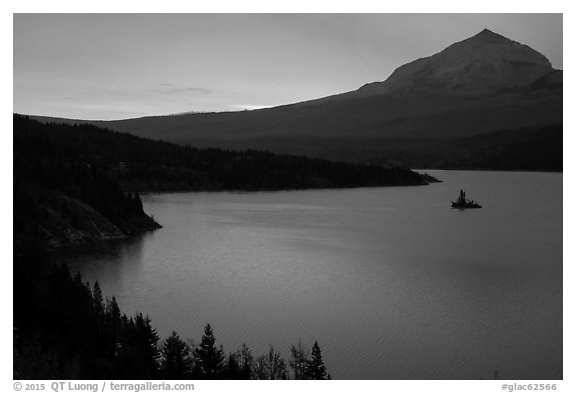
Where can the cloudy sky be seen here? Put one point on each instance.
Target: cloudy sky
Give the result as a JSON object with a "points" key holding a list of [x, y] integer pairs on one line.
{"points": [[115, 66]]}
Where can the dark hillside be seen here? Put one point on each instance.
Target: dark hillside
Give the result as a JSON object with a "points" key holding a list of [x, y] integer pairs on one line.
{"points": [[63, 196], [57, 151]]}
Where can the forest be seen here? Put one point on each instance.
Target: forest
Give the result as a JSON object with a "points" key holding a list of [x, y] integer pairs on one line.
{"points": [[66, 329], [43, 150]]}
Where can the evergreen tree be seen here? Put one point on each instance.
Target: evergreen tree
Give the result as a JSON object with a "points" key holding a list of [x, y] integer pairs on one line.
{"points": [[98, 300], [98, 304], [148, 338], [176, 362], [113, 323], [209, 360], [316, 368], [138, 353]]}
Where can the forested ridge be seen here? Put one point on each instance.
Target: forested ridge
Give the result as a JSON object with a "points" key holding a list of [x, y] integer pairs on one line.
{"points": [[146, 165]]}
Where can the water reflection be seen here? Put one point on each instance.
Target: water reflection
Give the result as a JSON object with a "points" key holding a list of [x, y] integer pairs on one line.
{"points": [[108, 261]]}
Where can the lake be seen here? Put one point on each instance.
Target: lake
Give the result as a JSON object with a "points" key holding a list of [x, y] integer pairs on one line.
{"points": [[391, 282]]}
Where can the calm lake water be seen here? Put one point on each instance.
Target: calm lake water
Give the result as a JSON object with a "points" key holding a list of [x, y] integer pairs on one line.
{"points": [[392, 282]]}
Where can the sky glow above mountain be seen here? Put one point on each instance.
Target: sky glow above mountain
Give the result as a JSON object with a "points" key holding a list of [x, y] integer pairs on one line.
{"points": [[116, 66]]}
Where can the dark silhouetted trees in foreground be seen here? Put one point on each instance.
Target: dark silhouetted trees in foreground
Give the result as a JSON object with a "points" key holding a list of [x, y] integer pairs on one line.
{"points": [[176, 360], [209, 359], [315, 367], [66, 329]]}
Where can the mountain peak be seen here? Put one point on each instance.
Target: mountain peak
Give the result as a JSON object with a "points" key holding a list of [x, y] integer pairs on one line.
{"points": [[485, 61], [487, 32], [488, 36]]}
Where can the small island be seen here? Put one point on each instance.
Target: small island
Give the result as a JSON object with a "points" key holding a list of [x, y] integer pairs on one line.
{"points": [[463, 203]]}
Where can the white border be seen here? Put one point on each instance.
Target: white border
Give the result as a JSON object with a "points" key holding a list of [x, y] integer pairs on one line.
{"points": [[231, 6]]}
